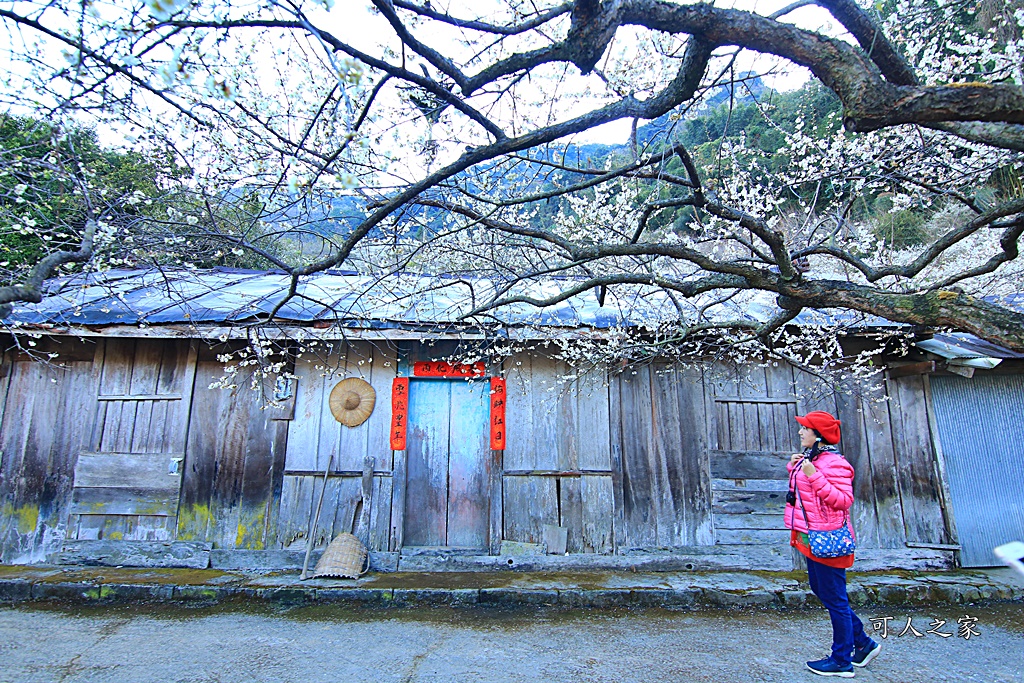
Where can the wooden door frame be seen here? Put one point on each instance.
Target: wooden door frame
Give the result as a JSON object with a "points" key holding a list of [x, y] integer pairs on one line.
{"points": [[400, 478]]}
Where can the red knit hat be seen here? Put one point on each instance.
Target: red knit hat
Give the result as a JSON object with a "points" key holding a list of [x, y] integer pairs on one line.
{"points": [[822, 422]]}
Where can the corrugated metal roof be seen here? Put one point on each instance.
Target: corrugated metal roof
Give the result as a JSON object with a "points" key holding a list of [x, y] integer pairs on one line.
{"points": [[964, 346], [230, 296], [226, 296]]}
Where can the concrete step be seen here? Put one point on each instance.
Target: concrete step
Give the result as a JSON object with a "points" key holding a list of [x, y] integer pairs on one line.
{"points": [[570, 589]]}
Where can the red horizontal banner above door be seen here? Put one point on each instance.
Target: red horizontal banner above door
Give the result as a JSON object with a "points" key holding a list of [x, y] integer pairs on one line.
{"points": [[440, 369]]}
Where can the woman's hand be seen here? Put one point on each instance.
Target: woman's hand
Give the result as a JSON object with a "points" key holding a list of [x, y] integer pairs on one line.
{"points": [[795, 458], [808, 468]]}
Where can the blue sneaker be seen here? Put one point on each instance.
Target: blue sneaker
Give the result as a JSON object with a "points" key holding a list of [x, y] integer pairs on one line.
{"points": [[828, 667], [864, 657]]}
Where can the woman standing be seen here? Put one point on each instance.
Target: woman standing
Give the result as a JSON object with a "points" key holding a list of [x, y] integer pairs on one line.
{"points": [[820, 495]]}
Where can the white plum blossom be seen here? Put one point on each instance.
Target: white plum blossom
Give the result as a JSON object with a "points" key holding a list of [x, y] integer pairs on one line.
{"points": [[292, 124]]}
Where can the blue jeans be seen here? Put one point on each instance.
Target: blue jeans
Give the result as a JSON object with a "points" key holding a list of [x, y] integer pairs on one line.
{"points": [[829, 584]]}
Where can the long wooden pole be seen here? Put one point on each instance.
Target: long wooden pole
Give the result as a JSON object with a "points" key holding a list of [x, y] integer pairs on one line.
{"points": [[316, 519]]}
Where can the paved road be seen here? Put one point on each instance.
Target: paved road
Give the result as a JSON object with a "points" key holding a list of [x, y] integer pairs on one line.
{"points": [[224, 645]]}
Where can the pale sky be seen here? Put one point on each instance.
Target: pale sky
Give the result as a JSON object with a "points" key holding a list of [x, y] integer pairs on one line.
{"points": [[353, 21], [363, 28]]}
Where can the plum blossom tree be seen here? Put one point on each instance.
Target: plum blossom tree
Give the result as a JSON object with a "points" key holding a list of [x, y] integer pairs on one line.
{"points": [[450, 131]]}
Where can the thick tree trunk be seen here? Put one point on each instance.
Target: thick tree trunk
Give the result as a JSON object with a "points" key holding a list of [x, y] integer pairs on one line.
{"points": [[941, 308]]}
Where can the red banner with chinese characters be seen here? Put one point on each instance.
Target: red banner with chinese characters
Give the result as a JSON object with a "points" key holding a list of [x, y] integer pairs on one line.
{"points": [[399, 412], [497, 414], [441, 369]]}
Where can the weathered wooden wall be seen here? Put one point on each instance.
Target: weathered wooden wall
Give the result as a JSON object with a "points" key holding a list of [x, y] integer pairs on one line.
{"points": [[660, 458], [127, 479], [868, 446], [557, 466], [916, 468], [234, 462], [885, 437], [653, 458], [46, 423], [752, 434], [314, 436]]}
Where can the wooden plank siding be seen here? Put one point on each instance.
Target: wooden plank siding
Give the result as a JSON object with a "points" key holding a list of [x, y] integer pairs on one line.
{"points": [[695, 457], [634, 488], [868, 446], [753, 434], [137, 439], [41, 435], [529, 503], [557, 464], [662, 484], [655, 458], [315, 436], [885, 438], [884, 487], [234, 462], [917, 473]]}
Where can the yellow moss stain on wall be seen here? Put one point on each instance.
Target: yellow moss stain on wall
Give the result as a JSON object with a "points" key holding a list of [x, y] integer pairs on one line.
{"points": [[25, 518], [251, 530], [193, 522]]}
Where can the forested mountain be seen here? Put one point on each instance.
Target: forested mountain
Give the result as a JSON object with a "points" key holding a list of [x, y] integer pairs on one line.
{"points": [[149, 187], [727, 112]]}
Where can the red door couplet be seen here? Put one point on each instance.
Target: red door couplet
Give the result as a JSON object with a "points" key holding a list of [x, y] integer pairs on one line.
{"points": [[498, 432], [399, 412]]}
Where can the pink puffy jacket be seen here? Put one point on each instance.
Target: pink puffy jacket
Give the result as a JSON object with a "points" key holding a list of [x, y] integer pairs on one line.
{"points": [[826, 495]]}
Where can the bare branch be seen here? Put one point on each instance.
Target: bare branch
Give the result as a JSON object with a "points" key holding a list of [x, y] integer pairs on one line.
{"points": [[100, 59], [533, 22], [439, 61], [628, 170], [1010, 250], [31, 289], [686, 288], [872, 40]]}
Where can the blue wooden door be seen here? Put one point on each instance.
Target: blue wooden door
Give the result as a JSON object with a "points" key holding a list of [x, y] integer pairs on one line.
{"points": [[447, 492]]}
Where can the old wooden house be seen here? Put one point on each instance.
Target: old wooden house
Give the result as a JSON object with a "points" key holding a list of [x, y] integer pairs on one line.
{"points": [[117, 432]]}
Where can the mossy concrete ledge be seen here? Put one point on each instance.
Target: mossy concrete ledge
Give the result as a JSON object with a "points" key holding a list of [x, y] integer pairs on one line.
{"points": [[90, 585]]}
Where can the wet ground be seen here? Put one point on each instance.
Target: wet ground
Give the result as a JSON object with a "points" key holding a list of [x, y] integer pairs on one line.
{"points": [[227, 643]]}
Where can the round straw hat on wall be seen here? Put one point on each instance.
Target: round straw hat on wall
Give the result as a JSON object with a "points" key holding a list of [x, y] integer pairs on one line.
{"points": [[352, 401]]}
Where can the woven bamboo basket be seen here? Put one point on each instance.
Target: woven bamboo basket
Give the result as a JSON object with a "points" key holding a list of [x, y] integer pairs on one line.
{"points": [[345, 557]]}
